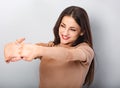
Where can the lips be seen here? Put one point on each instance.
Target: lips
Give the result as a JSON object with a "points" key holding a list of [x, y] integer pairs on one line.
{"points": [[65, 37]]}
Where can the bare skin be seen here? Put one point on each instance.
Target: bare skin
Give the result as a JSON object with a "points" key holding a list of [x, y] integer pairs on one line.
{"points": [[62, 66], [12, 50], [65, 68]]}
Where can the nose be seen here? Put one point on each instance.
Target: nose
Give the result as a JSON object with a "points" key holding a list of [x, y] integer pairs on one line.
{"points": [[65, 32]]}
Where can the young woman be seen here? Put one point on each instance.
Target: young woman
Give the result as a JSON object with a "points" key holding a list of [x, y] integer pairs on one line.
{"points": [[67, 62]]}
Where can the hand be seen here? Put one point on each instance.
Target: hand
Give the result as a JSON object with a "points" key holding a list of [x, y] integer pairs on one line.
{"points": [[12, 50], [29, 52]]}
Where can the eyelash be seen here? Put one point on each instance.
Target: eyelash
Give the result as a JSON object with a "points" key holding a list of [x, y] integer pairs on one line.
{"points": [[64, 27], [73, 29]]}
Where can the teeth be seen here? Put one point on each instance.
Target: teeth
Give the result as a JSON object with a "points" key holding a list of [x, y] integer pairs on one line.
{"points": [[64, 37]]}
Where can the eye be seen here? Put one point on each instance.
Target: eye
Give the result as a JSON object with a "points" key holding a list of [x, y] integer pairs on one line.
{"points": [[61, 25], [73, 29]]}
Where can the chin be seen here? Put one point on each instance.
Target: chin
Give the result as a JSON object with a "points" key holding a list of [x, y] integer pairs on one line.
{"points": [[65, 43]]}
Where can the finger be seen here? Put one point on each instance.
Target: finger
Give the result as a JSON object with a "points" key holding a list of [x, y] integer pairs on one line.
{"points": [[27, 59], [12, 59], [7, 59], [15, 59], [20, 40]]}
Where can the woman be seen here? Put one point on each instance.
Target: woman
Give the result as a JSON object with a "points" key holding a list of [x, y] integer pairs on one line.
{"points": [[67, 62]]}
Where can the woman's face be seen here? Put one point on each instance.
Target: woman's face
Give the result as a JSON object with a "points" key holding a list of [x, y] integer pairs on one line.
{"points": [[69, 31]]}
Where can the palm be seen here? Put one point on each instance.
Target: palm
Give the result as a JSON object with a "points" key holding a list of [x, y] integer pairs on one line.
{"points": [[12, 52], [28, 52]]}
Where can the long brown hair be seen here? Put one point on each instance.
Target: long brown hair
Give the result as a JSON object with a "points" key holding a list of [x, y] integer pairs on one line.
{"points": [[81, 17]]}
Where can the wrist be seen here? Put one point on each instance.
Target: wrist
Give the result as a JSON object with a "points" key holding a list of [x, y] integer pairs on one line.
{"points": [[38, 51]]}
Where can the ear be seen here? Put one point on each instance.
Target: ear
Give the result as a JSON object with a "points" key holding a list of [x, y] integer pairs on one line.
{"points": [[82, 33]]}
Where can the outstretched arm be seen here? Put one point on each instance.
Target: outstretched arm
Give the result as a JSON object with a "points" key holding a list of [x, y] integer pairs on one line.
{"points": [[82, 53]]}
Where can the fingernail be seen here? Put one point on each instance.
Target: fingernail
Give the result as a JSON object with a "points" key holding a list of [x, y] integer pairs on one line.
{"points": [[7, 61]]}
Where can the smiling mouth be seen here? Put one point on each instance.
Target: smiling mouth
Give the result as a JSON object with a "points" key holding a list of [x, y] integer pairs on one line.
{"points": [[65, 37]]}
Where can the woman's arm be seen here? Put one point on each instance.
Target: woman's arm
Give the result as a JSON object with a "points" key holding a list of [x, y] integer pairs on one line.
{"points": [[31, 51], [50, 44], [82, 53]]}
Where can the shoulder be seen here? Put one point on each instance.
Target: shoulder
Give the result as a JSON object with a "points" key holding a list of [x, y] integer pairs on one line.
{"points": [[86, 50], [49, 44], [84, 46]]}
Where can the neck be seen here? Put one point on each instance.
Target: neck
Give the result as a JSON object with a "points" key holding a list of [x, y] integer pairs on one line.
{"points": [[64, 45]]}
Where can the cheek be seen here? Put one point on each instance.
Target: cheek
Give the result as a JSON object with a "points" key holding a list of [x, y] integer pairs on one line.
{"points": [[60, 31], [75, 36]]}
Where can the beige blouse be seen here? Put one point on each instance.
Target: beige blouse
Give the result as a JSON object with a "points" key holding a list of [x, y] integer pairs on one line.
{"points": [[65, 74]]}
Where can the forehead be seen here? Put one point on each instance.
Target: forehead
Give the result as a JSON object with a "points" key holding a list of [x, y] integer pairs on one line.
{"points": [[68, 20]]}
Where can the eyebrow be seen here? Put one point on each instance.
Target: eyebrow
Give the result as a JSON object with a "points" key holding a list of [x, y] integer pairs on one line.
{"points": [[62, 23], [70, 27]]}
